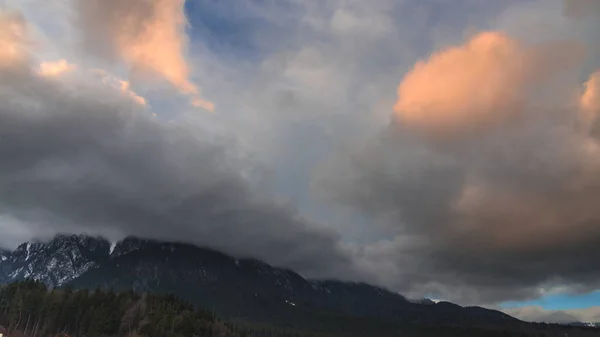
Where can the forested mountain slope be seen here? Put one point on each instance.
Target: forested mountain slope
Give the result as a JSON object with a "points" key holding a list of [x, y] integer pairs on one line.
{"points": [[251, 293]]}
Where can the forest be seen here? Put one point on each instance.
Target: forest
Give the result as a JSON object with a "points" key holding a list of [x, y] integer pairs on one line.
{"points": [[30, 309]]}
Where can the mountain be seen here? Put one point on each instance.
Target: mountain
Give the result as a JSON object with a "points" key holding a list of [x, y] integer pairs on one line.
{"points": [[55, 263], [4, 266], [63, 312], [256, 291], [4, 254], [241, 289], [585, 324]]}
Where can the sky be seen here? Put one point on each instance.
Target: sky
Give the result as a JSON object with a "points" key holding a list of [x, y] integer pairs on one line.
{"points": [[448, 150]]}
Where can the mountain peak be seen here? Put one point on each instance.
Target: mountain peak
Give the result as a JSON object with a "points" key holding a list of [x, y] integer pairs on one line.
{"points": [[246, 288], [4, 255], [55, 262], [127, 245]]}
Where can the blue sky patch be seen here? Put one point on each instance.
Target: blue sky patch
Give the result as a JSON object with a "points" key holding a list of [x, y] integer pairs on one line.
{"points": [[559, 302]]}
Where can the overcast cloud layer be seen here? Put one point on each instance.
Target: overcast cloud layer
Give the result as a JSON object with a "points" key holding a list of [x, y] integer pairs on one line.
{"points": [[438, 151], [89, 157]]}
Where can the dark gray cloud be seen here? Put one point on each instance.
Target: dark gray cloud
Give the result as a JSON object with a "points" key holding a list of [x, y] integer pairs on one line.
{"points": [[494, 218], [83, 157], [483, 214], [466, 221]]}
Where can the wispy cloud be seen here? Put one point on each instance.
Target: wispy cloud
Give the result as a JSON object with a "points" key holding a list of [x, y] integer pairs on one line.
{"points": [[539, 314], [119, 84], [150, 36]]}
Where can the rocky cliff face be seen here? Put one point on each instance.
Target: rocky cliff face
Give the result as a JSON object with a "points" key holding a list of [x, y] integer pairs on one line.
{"points": [[56, 262]]}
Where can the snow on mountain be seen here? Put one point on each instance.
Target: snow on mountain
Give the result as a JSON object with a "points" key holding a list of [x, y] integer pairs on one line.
{"points": [[126, 246], [113, 245], [586, 324], [232, 286], [56, 262], [4, 254]]}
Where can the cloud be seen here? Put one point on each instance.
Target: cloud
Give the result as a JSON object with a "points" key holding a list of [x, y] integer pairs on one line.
{"points": [[301, 82], [150, 36], [581, 8], [13, 39], [198, 102], [54, 69], [345, 21], [539, 314], [84, 159], [120, 85], [486, 81], [590, 100], [502, 202]]}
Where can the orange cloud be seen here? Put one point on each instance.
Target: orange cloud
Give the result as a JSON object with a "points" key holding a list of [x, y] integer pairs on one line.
{"points": [[467, 88], [590, 100], [125, 88], [13, 39], [158, 46], [198, 102], [54, 69], [121, 85], [147, 34]]}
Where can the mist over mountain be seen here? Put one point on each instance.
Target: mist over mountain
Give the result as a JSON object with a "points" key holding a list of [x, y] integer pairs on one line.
{"points": [[245, 289]]}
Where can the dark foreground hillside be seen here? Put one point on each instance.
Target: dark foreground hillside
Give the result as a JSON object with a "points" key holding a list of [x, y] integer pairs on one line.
{"points": [[29, 308]]}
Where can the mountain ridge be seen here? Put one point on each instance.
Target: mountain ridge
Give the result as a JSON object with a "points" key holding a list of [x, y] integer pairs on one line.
{"points": [[238, 288]]}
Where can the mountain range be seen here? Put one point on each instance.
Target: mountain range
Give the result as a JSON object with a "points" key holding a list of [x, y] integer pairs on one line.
{"points": [[243, 289]]}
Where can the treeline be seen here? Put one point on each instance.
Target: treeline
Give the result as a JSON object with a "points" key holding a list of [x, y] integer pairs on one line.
{"points": [[29, 308]]}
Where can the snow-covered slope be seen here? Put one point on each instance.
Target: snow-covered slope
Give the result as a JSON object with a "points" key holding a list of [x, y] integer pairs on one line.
{"points": [[56, 262], [4, 254]]}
